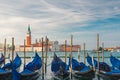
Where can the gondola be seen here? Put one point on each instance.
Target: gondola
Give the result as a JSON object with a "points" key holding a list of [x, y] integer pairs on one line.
{"points": [[115, 62], [31, 70], [80, 70], [5, 71], [102, 65], [2, 59], [111, 75], [105, 71], [58, 67]]}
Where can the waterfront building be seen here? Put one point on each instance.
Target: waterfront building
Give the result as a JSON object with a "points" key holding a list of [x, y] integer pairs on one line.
{"points": [[37, 46], [75, 48], [111, 49]]}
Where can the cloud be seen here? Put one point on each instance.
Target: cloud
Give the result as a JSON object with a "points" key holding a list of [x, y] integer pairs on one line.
{"points": [[60, 18]]}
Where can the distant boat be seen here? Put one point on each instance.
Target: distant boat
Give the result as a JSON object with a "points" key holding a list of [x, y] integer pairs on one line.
{"points": [[58, 67], [5, 71], [31, 70]]}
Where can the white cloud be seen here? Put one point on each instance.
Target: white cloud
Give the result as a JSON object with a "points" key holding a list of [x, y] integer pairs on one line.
{"points": [[54, 17]]}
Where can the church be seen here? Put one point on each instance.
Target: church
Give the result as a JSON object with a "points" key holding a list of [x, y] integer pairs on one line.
{"points": [[37, 46]]}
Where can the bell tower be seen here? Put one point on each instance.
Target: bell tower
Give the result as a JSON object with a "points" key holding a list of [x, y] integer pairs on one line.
{"points": [[28, 37]]}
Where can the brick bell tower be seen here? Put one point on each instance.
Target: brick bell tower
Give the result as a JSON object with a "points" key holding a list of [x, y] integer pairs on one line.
{"points": [[28, 37]]}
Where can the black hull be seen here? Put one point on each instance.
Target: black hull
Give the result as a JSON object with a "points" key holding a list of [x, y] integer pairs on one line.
{"points": [[32, 76], [6, 76], [87, 74], [61, 76], [110, 76]]}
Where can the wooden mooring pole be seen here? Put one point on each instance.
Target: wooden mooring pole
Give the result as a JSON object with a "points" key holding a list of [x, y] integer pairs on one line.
{"points": [[4, 50], [46, 41], [24, 53], [13, 48], [65, 50], [71, 41], [98, 51], [42, 61], [84, 53], [103, 51], [79, 53]]}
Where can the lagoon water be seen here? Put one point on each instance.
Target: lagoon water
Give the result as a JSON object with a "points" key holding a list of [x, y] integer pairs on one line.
{"points": [[49, 75]]}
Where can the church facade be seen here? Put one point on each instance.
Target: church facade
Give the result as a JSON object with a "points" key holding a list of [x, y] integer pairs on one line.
{"points": [[37, 46]]}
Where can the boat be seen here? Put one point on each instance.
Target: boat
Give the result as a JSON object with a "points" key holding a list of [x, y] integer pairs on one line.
{"points": [[80, 70], [2, 59], [94, 63], [111, 75], [5, 71], [106, 71], [115, 62], [58, 67], [31, 70]]}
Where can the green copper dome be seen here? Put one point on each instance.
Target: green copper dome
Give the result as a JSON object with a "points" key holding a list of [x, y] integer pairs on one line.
{"points": [[29, 28]]}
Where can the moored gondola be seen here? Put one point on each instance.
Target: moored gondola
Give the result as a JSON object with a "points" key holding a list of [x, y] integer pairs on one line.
{"points": [[115, 69], [80, 70], [106, 71], [5, 71], [115, 62], [58, 67], [2, 59], [31, 70], [111, 75]]}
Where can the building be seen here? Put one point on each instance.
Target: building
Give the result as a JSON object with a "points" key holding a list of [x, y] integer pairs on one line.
{"points": [[1, 47], [109, 49], [37, 46], [75, 48], [117, 49], [28, 37]]}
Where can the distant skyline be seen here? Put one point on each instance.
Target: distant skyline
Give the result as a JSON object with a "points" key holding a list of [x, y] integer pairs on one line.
{"points": [[58, 19]]}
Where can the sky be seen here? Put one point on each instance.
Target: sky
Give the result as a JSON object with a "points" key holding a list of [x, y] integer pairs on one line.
{"points": [[58, 19]]}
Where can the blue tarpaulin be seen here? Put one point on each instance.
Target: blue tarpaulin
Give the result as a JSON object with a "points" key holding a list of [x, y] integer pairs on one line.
{"points": [[35, 64], [115, 62]]}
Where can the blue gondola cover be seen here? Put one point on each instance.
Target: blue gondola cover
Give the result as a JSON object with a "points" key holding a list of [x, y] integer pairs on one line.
{"points": [[35, 64], [115, 62]]}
